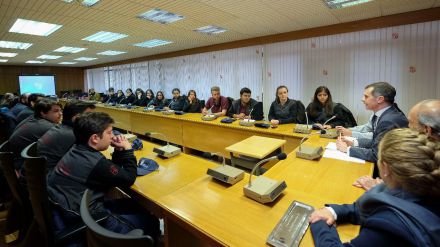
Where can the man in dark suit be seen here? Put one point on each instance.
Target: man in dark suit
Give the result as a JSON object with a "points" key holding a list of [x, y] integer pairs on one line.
{"points": [[246, 107], [379, 98]]}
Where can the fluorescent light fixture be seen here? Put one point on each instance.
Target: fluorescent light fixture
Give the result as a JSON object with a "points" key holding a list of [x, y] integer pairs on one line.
{"points": [[160, 16], [111, 53], [33, 27], [210, 30], [68, 49], [89, 3], [105, 37], [14, 45], [85, 58], [337, 4], [68, 1], [153, 43], [67, 63], [35, 61], [48, 57], [7, 54], [3, 60]]}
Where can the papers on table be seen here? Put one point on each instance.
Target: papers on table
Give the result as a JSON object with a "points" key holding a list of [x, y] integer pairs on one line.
{"points": [[333, 153]]}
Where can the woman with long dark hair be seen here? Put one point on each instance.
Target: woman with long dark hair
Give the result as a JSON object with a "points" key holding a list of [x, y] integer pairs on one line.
{"points": [[321, 110]]}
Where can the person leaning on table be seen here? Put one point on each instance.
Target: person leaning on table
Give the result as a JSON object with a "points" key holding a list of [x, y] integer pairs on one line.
{"points": [[404, 210]]}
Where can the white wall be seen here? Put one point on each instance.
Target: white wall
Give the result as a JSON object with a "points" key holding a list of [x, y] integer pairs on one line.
{"points": [[344, 62]]}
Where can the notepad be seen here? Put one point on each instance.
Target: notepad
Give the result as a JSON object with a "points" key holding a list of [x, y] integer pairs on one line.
{"points": [[333, 153]]}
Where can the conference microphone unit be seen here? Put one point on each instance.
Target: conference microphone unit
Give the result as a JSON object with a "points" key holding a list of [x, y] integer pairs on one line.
{"points": [[209, 116], [246, 121], [303, 128], [330, 133], [263, 189], [309, 152], [166, 151], [225, 173]]}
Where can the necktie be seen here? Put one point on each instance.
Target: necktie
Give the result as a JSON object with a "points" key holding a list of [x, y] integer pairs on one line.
{"points": [[373, 121]]}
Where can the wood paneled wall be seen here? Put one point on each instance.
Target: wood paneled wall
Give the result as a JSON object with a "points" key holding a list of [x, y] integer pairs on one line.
{"points": [[66, 78]]}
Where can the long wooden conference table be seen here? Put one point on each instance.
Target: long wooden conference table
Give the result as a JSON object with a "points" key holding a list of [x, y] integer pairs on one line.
{"points": [[199, 211]]}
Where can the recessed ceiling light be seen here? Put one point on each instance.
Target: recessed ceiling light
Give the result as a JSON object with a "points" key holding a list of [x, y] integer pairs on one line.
{"points": [[33, 27], [35, 61], [210, 30], [111, 53], [14, 45], [337, 4], [67, 63], [153, 43], [48, 57], [89, 3], [7, 54], [105, 37], [160, 16], [85, 58], [3, 60], [68, 49]]}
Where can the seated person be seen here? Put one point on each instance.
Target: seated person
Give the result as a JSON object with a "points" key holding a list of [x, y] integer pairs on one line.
{"points": [[379, 98], [284, 110], [217, 104], [129, 98], [177, 101], [149, 96], [120, 97], [47, 114], [93, 95], [192, 103], [322, 109], [29, 110], [246, 107], [423, 117], [140, 98], [159, 101], [85, 167], [55, 143], [21, 104], [7, 100], [404, 210], [110, 98]]}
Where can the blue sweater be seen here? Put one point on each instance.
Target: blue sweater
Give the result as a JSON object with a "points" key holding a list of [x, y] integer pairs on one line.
{"points": [[387, 218]]}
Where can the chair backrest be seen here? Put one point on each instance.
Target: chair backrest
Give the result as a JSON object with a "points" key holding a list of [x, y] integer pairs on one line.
{"points": [[99, 236], [230, 100], [20, 213], [35, 168]]}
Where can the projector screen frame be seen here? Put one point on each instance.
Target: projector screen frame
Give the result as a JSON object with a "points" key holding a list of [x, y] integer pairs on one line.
{"points": [[54, 82]]}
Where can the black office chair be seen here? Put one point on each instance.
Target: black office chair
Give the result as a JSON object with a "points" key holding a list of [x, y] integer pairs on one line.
{"points": [[41, 230], [20, 211], [99, 236]]}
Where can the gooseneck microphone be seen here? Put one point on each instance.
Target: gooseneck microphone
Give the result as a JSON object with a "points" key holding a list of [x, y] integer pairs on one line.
{"points": [[328, 120], [167, 151], [307, 120], [250, 113], [280, 156]]}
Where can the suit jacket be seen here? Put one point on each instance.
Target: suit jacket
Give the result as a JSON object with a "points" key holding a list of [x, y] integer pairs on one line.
{"points": [[392, 118], [388, 217]]}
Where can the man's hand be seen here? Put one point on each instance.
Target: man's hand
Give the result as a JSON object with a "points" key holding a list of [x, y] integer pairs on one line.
{"points": [[344, 131], [322, 214], [120, 143], [341, 145]]}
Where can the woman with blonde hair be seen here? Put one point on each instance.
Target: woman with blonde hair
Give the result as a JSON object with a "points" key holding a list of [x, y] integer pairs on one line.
{"points": [[402, 211]]}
